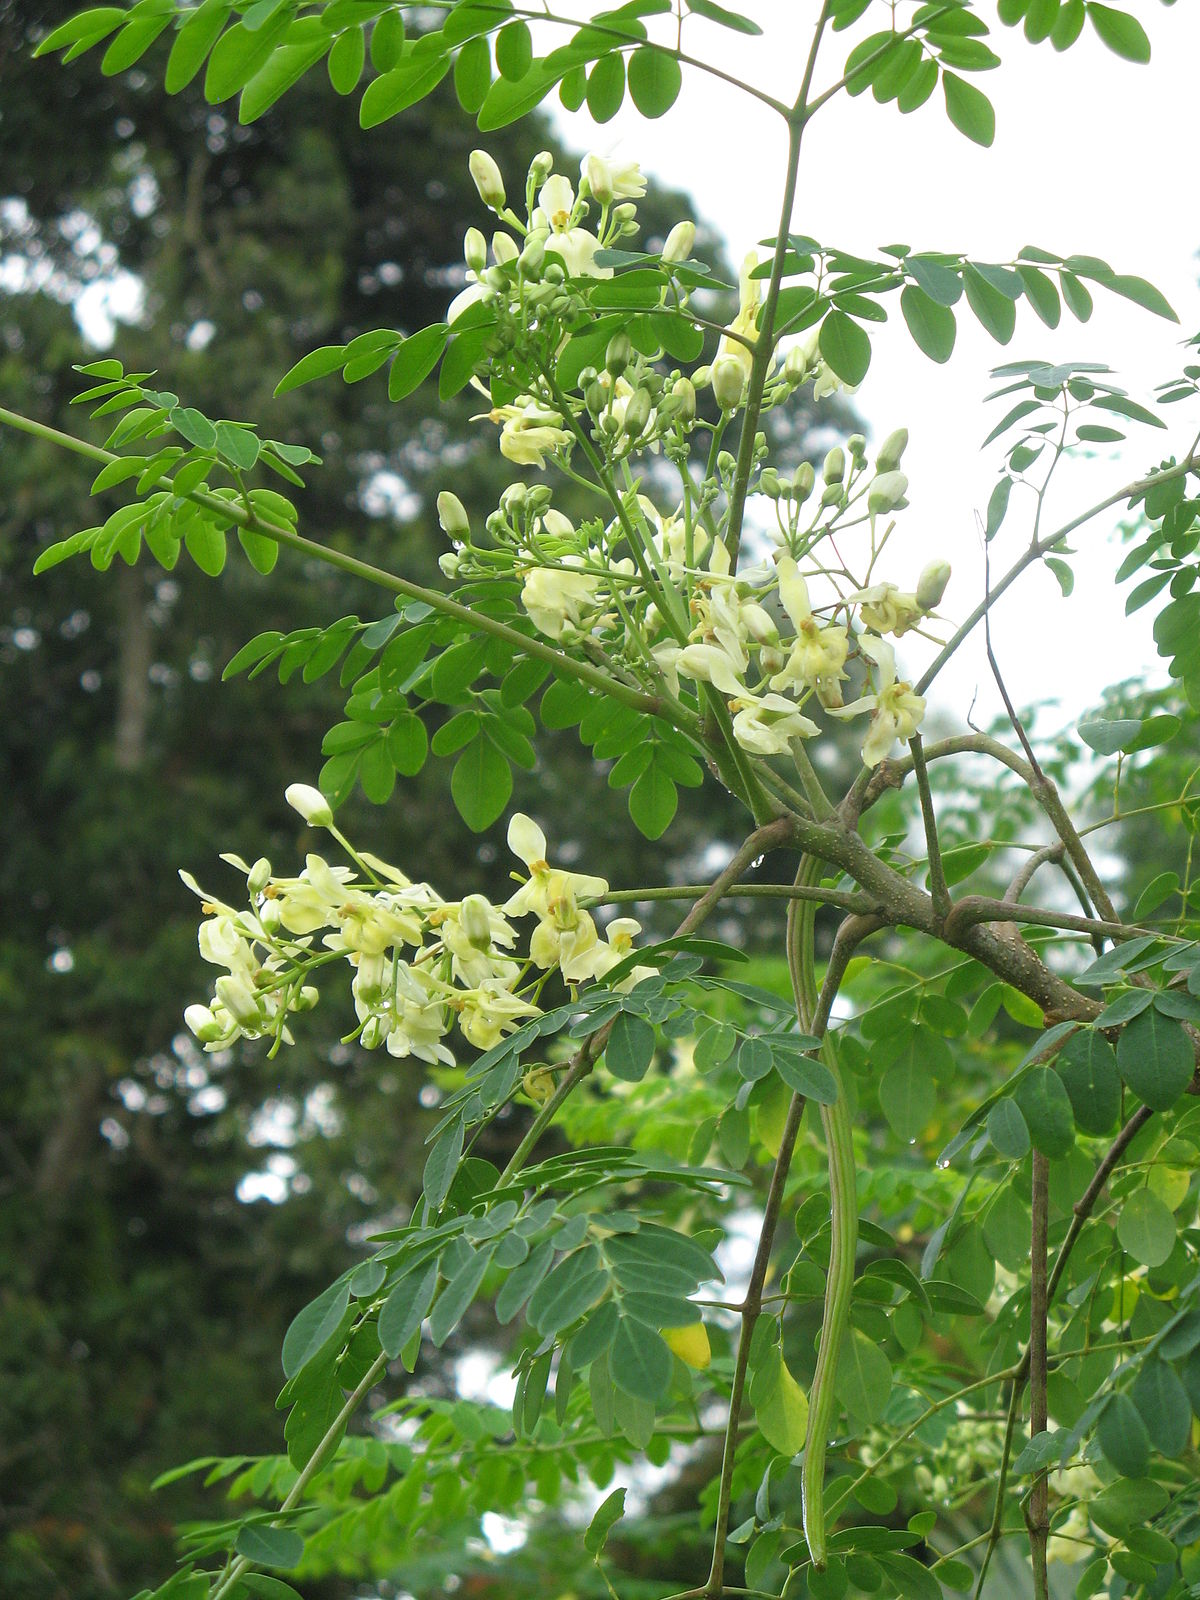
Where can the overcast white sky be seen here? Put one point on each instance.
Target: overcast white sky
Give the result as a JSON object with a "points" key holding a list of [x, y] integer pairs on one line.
{"points": [[1093, 155]]}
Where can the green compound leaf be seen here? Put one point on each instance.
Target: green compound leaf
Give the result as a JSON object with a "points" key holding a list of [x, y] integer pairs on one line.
{"points": [[864, 1377], [655, 78], [932, 325], [1154, 1056], [270, 1547], [1044, 1103], [969, 109], [1146, 1228], [1122, 1436], [640, 1361], [1122, 33], [846, 347], [1087, 1065], [630, 1048], [608, 1513]]}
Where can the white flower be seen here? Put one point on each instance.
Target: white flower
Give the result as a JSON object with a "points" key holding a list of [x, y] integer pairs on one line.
{"points": [[818, 654], [556, 201], [546, 885], [887, 609], [528, 431], [896, 709], [554, 596], [767, 724], [709, 663], [609, 181], [745, 323]]}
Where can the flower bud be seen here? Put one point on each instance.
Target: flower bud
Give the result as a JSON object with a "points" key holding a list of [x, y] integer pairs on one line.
{"points": [[495, 278], [887, 491], [857, 446], [834, 469], [637, 413], [760, 623], [931, 585], [513, 499], [449, 562], [487, 179], [803, 480], [540, 168], [599, 178], [595, 397], [452, 515], [701, 377], [310, 803], [728, 381], [307, 998], [259, 876], [795, 365], [239, 999], [504, 248], [618, 355], [625, 212], [203, 1024], [475, 250], [770, 484], [374, 1031], [270, 915], [531, 258], [679, 242], [368, 981], [891, 450], [684, 390], [475, 916], [557, 525]]}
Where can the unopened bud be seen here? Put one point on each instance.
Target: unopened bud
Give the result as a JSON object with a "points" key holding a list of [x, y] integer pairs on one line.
{"points": [[637, 413], [728, 381], [795, 365], [513, 499], [475, 916], [857, 446], [931, 585], [374, 1032], [487, 179], [625, 212], [270, 915], [203, 1024], [504, 248], [887, 491], [760, 623], [541, 167], [259, 876], [684, 390], [679, 242], [450, 561], [475, 250], [770, 483], [803, 480], [595, 397], [618, 355], [531, 258], [702, 377], [891, 450], [557, 525], [452, 515], [239, 999], [368, 981], [834, 469], [307, 998], [310, 803]]}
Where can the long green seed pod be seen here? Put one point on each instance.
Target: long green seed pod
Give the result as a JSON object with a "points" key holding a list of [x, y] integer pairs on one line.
{"points": [[843, 1205]]}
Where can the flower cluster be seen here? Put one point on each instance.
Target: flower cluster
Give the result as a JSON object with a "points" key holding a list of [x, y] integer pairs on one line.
{"points": [[660, 594], [420, 963]]}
